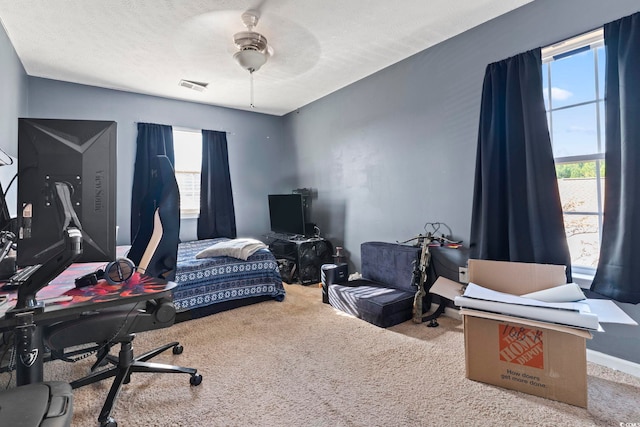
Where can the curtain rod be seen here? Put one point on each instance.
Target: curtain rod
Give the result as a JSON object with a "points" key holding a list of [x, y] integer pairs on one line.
{"points": [[183, 128], [573, 44], [576, 35]]}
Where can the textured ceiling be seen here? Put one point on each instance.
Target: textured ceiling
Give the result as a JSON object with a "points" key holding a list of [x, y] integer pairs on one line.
{"points": [[148, 46]]}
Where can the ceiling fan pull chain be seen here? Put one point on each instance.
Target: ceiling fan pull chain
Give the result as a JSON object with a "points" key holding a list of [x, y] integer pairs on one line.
{"points": [[251, 90]]}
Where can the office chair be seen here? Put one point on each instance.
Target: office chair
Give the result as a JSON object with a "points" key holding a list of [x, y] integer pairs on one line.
{"points": [[47, 404], [154, 252]]}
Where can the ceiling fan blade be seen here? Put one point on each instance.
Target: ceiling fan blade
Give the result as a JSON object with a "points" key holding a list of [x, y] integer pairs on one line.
{"points": [[258, 6]]}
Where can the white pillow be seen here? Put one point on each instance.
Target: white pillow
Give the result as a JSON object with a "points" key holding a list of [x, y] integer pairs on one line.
{"points": [[237, 248]]}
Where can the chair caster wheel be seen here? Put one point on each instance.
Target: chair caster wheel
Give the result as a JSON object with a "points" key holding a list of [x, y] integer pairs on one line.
{"points": [[433, 324], [195, 380], [178, 349], [110, 422]]}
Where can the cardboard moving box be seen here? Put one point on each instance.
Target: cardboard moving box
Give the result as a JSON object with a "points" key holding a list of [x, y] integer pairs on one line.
{"points": [[533, 356], [517, 278], [535, 360], [530, 356]]}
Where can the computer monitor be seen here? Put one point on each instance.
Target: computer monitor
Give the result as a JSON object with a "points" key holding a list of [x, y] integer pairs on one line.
{"points": [[286, 213], [80, 154]]}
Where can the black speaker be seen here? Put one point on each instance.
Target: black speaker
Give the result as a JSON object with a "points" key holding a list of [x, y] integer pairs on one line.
{"points": [[311, 255], [283, 249]]}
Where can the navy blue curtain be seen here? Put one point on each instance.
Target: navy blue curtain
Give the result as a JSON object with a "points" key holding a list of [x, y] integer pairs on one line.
{"points": [[217, 214], [616, 276], [517, 214], [153, 139]]}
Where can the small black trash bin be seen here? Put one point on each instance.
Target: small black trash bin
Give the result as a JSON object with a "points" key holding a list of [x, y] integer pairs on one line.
{"points": [[330, 274]]}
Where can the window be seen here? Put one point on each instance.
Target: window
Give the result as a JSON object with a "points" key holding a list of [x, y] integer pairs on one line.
{"points": [[573, 84], [187, 145]]}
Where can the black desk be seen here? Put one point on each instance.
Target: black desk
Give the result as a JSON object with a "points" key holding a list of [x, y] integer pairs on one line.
{"points": [[28, 323]]}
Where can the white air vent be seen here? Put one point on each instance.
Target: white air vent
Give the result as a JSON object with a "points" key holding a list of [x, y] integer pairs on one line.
{"points": [[190, 84]]}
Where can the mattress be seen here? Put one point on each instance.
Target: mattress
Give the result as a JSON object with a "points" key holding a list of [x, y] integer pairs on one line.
{"points": [[206, 281]]}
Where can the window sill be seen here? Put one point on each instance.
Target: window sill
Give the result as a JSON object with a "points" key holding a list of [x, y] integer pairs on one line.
{"points": [[583, 279]]}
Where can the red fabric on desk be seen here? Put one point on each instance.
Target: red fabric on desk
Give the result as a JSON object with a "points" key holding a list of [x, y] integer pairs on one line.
{"points": [[64, 285], [66, 280], [103, 291]]}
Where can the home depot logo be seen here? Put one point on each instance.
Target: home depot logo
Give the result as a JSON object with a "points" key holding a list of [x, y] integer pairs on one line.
{"points": [[520, 345]]}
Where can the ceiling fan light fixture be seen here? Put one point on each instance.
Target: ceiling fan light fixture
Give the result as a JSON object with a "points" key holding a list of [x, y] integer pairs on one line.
{"points": [[253, 50], [250, 60]]}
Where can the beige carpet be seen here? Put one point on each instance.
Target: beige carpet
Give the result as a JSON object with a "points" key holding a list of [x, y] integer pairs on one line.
{"points": [[300, 363]]}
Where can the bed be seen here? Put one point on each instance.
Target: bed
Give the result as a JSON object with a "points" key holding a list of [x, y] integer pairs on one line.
{"points": [[207, 285]]}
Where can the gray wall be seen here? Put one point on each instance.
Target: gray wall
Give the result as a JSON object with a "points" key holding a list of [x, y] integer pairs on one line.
{"points": [[13, 103], [257, 145], [396, 150]]}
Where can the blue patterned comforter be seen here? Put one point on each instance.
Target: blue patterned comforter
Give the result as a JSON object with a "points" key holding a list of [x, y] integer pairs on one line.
{"points": [[202, 282]]}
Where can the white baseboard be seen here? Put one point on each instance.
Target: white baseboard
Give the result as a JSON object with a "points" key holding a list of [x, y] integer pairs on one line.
{"points": [[452, 312], [448, 311], [621, 365]]}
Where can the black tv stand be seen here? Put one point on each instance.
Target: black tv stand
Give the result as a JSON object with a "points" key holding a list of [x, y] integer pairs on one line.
{"points": [[300, 257], [273, 236]]}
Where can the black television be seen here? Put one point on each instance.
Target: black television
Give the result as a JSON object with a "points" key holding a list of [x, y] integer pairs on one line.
{"points": [[80, 154], [286, 213]]}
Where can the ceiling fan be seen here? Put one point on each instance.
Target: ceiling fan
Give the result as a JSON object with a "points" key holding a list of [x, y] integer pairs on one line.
{"points": [[253, 48]]}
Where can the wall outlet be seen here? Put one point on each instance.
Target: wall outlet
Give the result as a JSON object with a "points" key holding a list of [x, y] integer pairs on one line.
{"points": [[463, 274]]}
